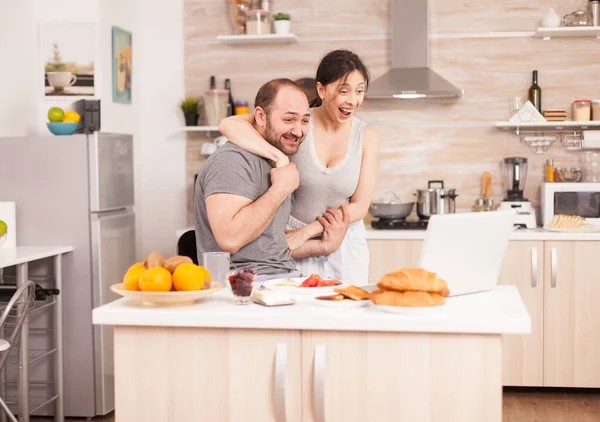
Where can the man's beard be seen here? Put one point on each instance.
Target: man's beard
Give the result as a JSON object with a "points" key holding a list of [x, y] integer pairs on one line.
{"points": [[274, 139]]}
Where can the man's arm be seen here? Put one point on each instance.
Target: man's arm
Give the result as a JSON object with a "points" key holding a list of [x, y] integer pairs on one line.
{"points": [[236, 220], [335, 225]]}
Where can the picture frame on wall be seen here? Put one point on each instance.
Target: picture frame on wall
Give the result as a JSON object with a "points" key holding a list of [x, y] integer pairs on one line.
{"points": [[121, 65], [67, 54]]}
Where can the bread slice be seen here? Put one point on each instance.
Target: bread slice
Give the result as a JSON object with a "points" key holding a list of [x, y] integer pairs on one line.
{"points": [[564, 221], [331, 297], [417, 279], [408, 298], [352, 292]]}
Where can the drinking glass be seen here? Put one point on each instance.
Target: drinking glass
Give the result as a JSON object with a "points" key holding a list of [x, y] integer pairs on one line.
{"points": [[514, 105], [217, 264], [241, 282]]}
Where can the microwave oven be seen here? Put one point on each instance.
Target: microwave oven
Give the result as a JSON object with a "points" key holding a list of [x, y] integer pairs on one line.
{"points": [[581, 199]]}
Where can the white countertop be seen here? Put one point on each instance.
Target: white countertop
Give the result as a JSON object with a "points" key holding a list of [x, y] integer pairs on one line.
{"points": [[519, 234], [500, 311], [23, 254]]}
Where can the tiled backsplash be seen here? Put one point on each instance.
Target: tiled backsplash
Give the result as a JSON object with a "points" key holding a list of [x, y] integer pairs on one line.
{"points": [[420, 140]]}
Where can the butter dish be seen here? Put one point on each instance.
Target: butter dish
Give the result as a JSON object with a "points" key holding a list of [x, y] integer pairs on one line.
{"points": [[272, 298]]}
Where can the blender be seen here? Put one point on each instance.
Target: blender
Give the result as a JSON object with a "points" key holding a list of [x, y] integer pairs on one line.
{"points": [[515, 173]]}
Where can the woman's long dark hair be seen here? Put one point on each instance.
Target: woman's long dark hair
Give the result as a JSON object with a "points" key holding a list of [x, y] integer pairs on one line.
{"points": [[336, 65]]}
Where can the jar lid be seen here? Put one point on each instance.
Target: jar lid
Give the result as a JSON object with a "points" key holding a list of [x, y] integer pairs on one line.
{"points": [[582, 102], [241, 103]]}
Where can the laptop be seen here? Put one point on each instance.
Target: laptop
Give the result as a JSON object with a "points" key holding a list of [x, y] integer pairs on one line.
{"points": [[467, 249]]}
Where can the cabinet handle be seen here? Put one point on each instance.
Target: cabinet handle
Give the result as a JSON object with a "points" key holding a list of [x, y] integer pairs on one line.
{"points": [[554, 267], [280, 369], [534, 267], [319, 383]]}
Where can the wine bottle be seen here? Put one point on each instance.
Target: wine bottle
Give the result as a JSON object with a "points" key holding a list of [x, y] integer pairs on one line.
{"points": [[535, 92], [231, 104], [213, 83]]}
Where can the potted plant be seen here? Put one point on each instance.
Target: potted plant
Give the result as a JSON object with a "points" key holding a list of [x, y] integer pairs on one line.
{"points": [[189, 106], [282, 23]]}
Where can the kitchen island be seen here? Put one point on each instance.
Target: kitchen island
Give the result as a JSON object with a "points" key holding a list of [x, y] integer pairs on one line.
{"points": [[216, 361]]}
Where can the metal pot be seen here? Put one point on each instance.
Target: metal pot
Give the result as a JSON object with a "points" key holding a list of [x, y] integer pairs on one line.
{"points": [[390, 207], [432, 201]]}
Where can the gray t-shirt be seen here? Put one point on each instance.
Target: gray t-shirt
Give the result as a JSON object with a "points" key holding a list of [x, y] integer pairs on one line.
{"points": [[233, 170]]}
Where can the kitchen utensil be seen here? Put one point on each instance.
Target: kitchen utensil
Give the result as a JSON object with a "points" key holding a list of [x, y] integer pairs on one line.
{"points": [[577, 18], [515, 173], [390, 206], [237, 14], [551, 19], [570, 174], [432, 201]]}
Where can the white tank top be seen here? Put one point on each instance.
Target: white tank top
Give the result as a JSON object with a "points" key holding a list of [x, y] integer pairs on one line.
{"points": [[322, 187]]}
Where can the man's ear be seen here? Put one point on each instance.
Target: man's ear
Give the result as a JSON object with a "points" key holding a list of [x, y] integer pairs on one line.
{"points": [[260, 117]]}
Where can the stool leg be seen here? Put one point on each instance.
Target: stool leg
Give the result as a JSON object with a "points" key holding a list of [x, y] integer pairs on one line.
{"points": [[7, 411], [59, 412], [23, 386]]}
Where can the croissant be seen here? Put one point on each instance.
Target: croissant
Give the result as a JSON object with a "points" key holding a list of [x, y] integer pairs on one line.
{"points": [[409, 298], [417, 279]]}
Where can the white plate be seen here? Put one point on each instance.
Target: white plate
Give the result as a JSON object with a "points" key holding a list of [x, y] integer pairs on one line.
{"points": [[412, 310], [293, 288], [580, 230], [339, 304]]}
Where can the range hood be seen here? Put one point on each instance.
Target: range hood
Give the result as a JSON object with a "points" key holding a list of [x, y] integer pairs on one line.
{"points": [[410, 76]]}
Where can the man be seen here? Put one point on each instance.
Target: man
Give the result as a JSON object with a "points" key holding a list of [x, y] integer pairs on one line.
{"points": [[242, 203]]}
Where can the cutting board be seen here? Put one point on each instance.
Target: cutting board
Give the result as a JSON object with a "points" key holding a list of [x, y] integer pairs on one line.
{"points": [[9, 216]]}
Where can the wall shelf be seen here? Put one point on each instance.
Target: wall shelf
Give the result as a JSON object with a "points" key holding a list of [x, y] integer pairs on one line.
{"points": [[201, 128], [258, 39], [568, 32], [566, 126]]}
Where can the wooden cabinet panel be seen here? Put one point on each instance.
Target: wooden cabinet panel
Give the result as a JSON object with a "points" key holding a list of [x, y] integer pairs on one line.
{"points": [[523, 354], [357, 377], [185, 374], [572, 314], [390, 255]]}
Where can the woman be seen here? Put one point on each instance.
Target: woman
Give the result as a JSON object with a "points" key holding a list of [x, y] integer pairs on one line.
{"points": [[337, 163]]}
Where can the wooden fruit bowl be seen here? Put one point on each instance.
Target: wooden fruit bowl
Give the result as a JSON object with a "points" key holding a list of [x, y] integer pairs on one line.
{"points": [[173, 298]]}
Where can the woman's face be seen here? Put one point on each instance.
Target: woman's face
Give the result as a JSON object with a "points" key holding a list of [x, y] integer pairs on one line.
{"points": [[342, 97]]}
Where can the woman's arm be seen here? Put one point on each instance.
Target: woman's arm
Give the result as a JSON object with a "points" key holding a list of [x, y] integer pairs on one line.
{"points": [[360, 201], [239, 131]]}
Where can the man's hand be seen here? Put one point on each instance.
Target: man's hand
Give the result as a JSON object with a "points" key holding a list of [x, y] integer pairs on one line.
{"points": [[335, 225], [285, 179]]}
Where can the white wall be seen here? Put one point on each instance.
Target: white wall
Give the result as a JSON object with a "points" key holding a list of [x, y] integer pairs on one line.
{"points": [[161, 166], [157, 86]]}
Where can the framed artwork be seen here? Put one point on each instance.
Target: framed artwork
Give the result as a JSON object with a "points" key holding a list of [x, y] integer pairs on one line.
{"points": [[121, 65], [67, 54]]}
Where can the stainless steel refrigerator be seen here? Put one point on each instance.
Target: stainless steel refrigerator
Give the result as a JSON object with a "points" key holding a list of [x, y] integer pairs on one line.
{"points": [[77, 191]]}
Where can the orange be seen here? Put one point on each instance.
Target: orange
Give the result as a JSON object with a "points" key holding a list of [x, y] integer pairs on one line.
{"points": [[156, 279], [190, 277], [132, 276]]}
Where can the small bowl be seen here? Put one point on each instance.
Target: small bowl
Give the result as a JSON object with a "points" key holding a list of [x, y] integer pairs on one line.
{"points": [[62, 128], [571, 174]]}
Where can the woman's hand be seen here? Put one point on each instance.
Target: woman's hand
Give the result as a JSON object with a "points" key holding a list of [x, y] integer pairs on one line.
{"points": [[296, 238], [281, 160]]}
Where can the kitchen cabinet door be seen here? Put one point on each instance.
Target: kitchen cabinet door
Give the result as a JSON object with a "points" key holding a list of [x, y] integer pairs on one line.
{"points": [[389, 255], [203, 374], [572, 314], [366, 376], [523, 360]]}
